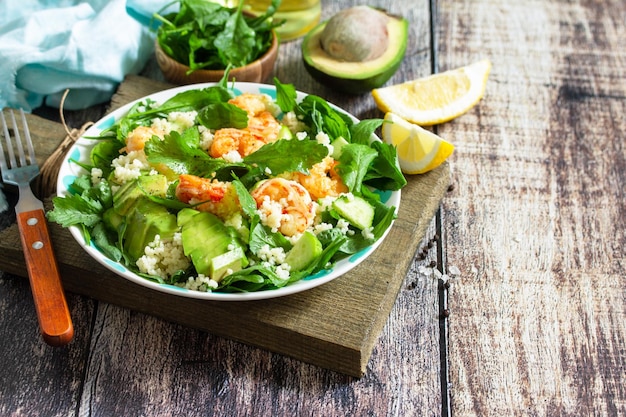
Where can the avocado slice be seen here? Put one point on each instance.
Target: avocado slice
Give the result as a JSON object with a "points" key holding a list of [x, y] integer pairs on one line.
{"points": [[112, 220], [305, 251], [144, 221], [228, 261], [356, 76], [213, 247], [128, 194]]}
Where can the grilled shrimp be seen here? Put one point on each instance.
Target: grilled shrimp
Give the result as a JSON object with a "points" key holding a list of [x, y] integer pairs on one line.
{"points": [[285, 205], [262, 128], [252, 103], [136, 140], [229, 139], [213, 196], [322, 180]]}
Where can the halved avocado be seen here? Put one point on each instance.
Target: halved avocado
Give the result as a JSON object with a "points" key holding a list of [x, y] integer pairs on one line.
{"points": [[358, 76]]}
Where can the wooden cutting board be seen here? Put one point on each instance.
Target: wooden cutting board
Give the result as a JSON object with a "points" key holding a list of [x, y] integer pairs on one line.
{"points": [[334, 326]]}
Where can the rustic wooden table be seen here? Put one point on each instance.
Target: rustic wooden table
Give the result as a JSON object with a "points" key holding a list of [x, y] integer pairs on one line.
{"points": [[533, 325]]}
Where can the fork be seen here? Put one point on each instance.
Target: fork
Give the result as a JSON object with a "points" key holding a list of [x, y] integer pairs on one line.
{"points": [[45, 282]]}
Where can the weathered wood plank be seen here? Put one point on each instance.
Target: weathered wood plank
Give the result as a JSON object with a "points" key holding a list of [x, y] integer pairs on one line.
{"points": [[142, 365], [536, 219], [36, 378], [402, 377], [177, 370], [364, 300]]}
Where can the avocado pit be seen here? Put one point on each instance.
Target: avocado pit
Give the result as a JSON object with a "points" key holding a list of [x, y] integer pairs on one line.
{"points": [[356, 50], [355, 35]]}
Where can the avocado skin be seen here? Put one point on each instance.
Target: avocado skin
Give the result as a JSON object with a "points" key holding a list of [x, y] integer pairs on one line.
{"points": [[351, 82], [351, 85]]}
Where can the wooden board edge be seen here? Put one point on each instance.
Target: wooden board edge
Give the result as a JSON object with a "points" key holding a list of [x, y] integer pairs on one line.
{"points": [[283, 341], [440, 181]]}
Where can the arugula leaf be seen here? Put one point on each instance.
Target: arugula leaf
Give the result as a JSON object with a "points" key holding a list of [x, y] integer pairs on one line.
{"points": [[383, 218], [287, 156], [182, 154], [103, 153], [285, 96], [80, 184], [103, 240], [316, 111], [354, 164], [220, 115], [385, 173], [100, 192]]}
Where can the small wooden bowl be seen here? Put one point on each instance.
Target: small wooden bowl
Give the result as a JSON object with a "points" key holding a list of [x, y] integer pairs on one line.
{"points": [[256, 72]]}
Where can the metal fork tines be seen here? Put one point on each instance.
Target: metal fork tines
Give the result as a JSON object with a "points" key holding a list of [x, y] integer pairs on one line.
{"points": [[20, 169], [22, 173]]}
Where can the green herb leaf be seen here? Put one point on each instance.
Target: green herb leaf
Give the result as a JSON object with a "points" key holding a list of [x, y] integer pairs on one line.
{"points": [[105, 242], [318, 112], [102, 154], [253, 278], [362, 131], [287, 156], [235, 44], [385, 173], [354, 164], [182, 153], [285, 96], [261, 235], [248, 205], [219, 115], [205, 35], [75, 210]]}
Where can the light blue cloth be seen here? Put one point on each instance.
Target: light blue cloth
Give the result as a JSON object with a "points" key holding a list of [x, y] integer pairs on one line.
{"points": [[87, 46]]}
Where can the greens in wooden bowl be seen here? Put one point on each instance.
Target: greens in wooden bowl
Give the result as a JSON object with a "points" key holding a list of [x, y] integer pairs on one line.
{"points": [[207, 36]]}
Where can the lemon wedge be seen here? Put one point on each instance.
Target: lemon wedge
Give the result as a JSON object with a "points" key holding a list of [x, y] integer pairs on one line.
{"points": [[419, 150], [437, 98]]}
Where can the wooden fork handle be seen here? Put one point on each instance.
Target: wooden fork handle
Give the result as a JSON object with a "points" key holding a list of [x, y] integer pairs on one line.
{"points": [[45, 281]]}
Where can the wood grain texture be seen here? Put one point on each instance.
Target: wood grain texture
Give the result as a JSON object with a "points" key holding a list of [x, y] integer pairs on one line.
{"points": [[137, 364], [534, 223], [536, 219], [37, 379], [304, 325], [195, 374]]}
